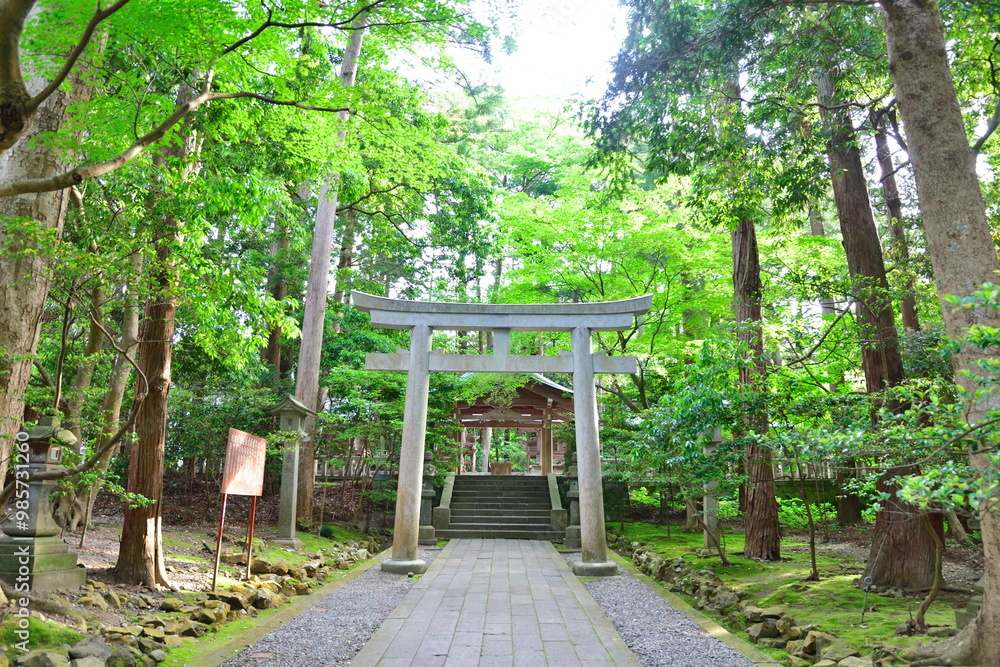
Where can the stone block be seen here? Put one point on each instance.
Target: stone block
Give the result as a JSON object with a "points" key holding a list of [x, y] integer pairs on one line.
{"points": [[121, 657], [855, 661], [762, 630], [95, 600], [43, 658], [91, 646], [171, 604], [89, 661], [426, 535], [147, 645], [816, 641], [441, 517], [260, 566], [837, 650], [772, 642], [51, 564], [941, 631], [559, 519], [724, 601], [280, 568], [772, 612], [963, 618]]}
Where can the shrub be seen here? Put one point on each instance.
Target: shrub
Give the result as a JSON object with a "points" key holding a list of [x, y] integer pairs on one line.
{"points": [[327, 532], [641, 496], [729, 510], [792, 513]]}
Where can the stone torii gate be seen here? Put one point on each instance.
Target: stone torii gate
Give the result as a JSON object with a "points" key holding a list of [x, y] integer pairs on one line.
{"points": [[422, 317]]}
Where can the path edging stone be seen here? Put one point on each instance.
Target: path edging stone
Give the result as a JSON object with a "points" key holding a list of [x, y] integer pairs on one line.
{"points": [[745, 649], [298, 606]]}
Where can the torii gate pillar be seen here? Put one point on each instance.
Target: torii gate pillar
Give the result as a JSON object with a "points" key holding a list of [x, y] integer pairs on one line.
{"points": [[580, 319]]}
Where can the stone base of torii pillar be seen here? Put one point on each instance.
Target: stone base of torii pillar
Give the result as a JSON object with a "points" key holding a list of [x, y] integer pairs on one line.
{"points": [[422, 318]]}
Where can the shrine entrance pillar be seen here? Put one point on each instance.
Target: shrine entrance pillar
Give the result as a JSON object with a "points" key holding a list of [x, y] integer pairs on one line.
{"points": [[406, 528]]}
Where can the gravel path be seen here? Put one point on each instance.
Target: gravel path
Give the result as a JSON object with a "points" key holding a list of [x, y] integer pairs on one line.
{"points": [[658, 634], [333, 630]]}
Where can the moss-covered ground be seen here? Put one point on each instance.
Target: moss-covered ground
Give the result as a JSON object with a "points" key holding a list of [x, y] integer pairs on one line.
{"points": [[37, 634], [833, 603]]}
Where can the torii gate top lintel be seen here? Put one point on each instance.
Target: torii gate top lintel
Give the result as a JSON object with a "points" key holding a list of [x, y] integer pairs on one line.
{"points": [[596, 316]]}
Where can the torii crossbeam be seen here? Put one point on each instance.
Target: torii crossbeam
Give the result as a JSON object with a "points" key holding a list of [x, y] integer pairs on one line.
{"points": [[423, 317]]}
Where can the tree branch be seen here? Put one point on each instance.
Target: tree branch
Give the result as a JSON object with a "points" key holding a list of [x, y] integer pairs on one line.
{"points": [[79, 174], [991, 127], [74, 55]]}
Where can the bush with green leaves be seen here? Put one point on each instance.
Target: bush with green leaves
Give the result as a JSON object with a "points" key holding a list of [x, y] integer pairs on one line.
{"points": [[792, 513]]}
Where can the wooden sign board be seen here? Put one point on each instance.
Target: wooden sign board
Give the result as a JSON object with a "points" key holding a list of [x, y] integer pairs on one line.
{"points": [[243, 474]]}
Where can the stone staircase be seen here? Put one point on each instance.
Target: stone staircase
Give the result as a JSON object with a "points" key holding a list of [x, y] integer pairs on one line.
{"points": [[514, 506]]}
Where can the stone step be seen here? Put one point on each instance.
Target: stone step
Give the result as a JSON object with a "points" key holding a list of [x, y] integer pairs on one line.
{"points": [[501, 489], [465, 495], [501, 483], [479, 511], [498, 533], [506, 506], [493, 520]]}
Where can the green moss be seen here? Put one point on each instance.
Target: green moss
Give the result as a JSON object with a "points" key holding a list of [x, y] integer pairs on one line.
{"points": [[227, 632], [174, 540], [40, 634], [189, 559], [833, 603]]}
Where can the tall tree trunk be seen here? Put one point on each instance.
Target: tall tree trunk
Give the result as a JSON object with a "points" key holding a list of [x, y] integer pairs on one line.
{"points": [[899, 555], [905, 566], [314, 318], [763, 540], [30, 229], [140, 556], [111, 408], [345, 263], [848, 504], [894, 210], [960, 245], [880, 357], [278, 286]]}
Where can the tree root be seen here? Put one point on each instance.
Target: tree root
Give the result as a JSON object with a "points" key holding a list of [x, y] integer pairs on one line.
{"points": [[955, 652]]}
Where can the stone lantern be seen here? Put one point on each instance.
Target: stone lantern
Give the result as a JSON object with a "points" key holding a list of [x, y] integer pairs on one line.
{"points": [[291, 412], [30, 550]]}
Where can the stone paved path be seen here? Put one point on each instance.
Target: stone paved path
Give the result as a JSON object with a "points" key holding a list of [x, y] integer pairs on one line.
{"points": [[497, 602]]}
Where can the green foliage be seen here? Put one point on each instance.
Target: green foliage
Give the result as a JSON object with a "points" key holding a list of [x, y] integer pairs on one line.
{"points": [[729, 510], [792, 513], [641, 496]]}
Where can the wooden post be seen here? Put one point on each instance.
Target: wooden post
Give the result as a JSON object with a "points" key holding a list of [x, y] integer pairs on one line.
{"points": [[218, 541]]}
